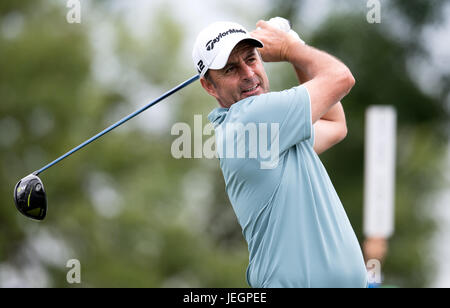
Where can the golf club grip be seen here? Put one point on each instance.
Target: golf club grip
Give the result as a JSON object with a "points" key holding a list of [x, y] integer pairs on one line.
{"points": [[120, 122]]}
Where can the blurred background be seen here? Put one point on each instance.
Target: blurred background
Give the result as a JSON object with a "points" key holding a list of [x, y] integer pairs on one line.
{"points": [[133, 215]]}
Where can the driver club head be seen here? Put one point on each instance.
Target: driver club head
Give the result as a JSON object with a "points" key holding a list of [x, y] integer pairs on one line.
{"points": [[30, 198]]}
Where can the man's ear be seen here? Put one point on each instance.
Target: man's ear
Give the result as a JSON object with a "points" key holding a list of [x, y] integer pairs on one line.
{"points": [[209, 87]]}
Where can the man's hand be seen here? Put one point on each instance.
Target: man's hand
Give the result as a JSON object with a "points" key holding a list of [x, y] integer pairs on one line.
{"points": [[276, 42]]}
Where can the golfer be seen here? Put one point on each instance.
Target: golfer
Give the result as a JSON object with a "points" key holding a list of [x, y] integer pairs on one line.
{"points": [[297, 231]]}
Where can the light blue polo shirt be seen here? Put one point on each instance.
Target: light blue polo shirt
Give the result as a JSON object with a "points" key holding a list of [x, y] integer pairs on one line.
{"points": [[297, 231]]}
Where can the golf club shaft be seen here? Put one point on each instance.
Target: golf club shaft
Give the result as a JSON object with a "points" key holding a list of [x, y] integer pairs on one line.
{"points": [[120, 122]]}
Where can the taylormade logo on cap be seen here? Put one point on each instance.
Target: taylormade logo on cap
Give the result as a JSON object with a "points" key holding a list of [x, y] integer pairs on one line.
{"points": [[210, 44], [215, 43]]}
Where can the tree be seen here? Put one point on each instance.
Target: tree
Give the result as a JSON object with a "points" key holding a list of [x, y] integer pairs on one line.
{"points": [[121, 206]]}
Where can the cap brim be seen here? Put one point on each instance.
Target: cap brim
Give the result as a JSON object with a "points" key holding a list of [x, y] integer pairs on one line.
{"points": [[222, 58]]}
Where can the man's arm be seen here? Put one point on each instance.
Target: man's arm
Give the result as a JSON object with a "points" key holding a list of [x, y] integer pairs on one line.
{"points": [[331, 128], [329, 80]]}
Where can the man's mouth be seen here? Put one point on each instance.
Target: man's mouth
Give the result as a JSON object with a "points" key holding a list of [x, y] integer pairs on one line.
{"points": [[251, 91]]}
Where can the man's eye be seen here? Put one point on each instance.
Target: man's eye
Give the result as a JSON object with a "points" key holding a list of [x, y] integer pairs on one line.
{"points": [[251, 60], [229, 70]]}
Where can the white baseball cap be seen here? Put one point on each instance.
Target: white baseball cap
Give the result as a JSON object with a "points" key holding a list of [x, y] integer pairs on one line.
{"points": [[215, 43]]}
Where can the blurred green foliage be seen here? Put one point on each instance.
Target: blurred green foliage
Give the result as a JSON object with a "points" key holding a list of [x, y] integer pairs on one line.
{"points": [[132, 214], [143, 235]]}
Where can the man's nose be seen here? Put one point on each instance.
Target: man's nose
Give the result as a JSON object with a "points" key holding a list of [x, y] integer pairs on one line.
{"points": [[247, 72]]}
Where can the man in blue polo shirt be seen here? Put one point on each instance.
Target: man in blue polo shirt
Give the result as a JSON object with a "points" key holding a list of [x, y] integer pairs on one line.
{"points": [[297, 231]]}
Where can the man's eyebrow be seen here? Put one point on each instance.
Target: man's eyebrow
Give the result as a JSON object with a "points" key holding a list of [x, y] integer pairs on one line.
{"points": [[230, 64]]}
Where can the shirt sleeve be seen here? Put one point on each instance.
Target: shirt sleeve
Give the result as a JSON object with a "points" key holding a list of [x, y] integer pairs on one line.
{"points": [[290, 109]]}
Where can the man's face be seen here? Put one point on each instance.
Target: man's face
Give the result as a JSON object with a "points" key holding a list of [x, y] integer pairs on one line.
{"points": [[242, 76]]}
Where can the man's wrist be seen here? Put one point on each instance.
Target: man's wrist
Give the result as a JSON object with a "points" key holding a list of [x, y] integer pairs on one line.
{"points": [[292, 48]]}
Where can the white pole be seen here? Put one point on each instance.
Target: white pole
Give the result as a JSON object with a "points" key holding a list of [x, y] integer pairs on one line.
{"points": [[379, 177]]}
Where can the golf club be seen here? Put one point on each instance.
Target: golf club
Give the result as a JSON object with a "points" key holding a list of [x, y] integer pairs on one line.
{"points": [[29, 193]]}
